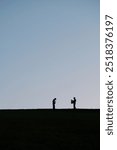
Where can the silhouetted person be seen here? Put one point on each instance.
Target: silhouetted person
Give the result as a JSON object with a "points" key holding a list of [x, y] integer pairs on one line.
{"points": [[73, 102], [54, 102]]}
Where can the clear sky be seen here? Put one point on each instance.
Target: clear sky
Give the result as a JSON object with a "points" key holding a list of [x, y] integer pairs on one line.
{"points": [[48, 49]]}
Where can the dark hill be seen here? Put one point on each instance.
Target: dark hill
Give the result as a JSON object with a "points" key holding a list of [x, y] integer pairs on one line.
{"points": [[46, 129]]}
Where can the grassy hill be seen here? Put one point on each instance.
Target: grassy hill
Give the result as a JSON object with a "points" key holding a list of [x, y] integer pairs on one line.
{"points": [[46, 129]]}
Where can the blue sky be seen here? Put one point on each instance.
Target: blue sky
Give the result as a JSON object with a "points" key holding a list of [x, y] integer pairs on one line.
{"points": [[49, 48]]}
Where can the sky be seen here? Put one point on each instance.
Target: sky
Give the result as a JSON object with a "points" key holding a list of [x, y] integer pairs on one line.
{"points": [[48, 49]]}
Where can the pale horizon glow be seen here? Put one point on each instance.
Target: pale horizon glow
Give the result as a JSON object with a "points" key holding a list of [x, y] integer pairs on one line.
{"points": [[49, 49]]}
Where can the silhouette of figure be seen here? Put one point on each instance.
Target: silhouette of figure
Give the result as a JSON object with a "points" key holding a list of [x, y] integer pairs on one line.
{"points": [[54, 102], [73, 102]]}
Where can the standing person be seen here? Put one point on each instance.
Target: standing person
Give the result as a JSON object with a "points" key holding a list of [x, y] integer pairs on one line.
{"points": [[73, 102], [53, 103]]}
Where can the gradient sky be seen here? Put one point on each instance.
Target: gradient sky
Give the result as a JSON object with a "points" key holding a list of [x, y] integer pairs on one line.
{"points": [[48, 49]]}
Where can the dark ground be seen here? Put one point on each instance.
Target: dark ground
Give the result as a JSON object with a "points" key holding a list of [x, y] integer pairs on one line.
{"points": [[47, 129]]}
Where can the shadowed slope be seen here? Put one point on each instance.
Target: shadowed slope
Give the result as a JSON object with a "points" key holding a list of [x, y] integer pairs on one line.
{"points": [[50, 129]]}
